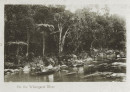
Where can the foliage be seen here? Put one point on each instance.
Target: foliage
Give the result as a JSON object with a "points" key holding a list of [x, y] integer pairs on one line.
{"points": [[83, 30]]}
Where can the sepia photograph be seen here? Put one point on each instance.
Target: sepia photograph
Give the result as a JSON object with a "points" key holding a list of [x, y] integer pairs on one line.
{"points": [[64, 43]]}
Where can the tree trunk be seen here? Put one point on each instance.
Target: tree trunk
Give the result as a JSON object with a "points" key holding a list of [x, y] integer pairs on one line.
{"points": [[75, 50], [43, 43], [91, 47], [17, 54], [60, 39], [63, 40], [28, 38]]}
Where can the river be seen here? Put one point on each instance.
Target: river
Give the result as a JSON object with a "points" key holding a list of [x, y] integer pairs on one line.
{"points": [[73, 74], [60, 76]]}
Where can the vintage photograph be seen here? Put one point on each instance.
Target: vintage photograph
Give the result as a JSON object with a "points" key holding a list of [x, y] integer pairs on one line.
{"points": [[64, 43]]}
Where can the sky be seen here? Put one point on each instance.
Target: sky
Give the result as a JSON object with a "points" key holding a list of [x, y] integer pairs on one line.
{"points": [[120, 7], [122, 10]]}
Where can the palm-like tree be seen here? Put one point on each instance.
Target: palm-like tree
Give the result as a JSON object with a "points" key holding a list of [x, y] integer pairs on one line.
{"points": [[44, 29], [18, 43]]}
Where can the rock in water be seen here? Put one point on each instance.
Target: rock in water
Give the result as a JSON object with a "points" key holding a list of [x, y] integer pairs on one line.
{"points": [[26, 69], [49, 67]]}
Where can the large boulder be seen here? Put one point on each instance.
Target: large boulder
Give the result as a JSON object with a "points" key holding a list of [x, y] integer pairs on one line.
{"points": [[122, 54], [101, 56], [87, 61], [111, 56]]}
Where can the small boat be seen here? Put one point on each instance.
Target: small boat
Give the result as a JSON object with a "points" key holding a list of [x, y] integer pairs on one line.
{"points": [[46, 72], [71, 73], [79, 65]]}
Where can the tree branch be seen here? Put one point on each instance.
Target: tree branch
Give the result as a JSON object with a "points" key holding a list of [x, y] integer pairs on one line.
{"points": [[63, 39], [54, 32]]}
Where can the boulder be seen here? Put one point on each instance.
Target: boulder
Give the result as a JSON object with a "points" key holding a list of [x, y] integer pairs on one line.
{"points": [[122, 54], [49, 66], [87, 61], [26, 69], [111, 56], [117, 75]]}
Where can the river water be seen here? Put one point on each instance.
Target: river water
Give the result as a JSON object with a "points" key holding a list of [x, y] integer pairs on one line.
{"points": [[60, 76], [77, 75], [73, 74]]}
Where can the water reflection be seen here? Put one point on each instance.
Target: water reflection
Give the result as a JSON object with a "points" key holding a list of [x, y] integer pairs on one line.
{"points": [[75, 69], [60, 76], [51, 78], [45, 78], [80, 70]]}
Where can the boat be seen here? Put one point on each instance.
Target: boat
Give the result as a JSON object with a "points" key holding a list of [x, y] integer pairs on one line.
{"points": [[45, 72], [78, 65], [70, 73]]}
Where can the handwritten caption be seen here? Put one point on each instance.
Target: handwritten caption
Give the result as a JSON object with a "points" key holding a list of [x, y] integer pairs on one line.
{"points": [[36, 87]]}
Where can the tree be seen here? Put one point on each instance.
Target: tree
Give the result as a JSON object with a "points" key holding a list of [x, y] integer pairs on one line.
{"points": [[64, 22], [20, 23], [44, 29], [74, 32], [27, 24]]}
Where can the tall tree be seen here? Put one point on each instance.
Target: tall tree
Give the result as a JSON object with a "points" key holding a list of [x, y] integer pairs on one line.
{"points": [[64, 22], [44, 29]]}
